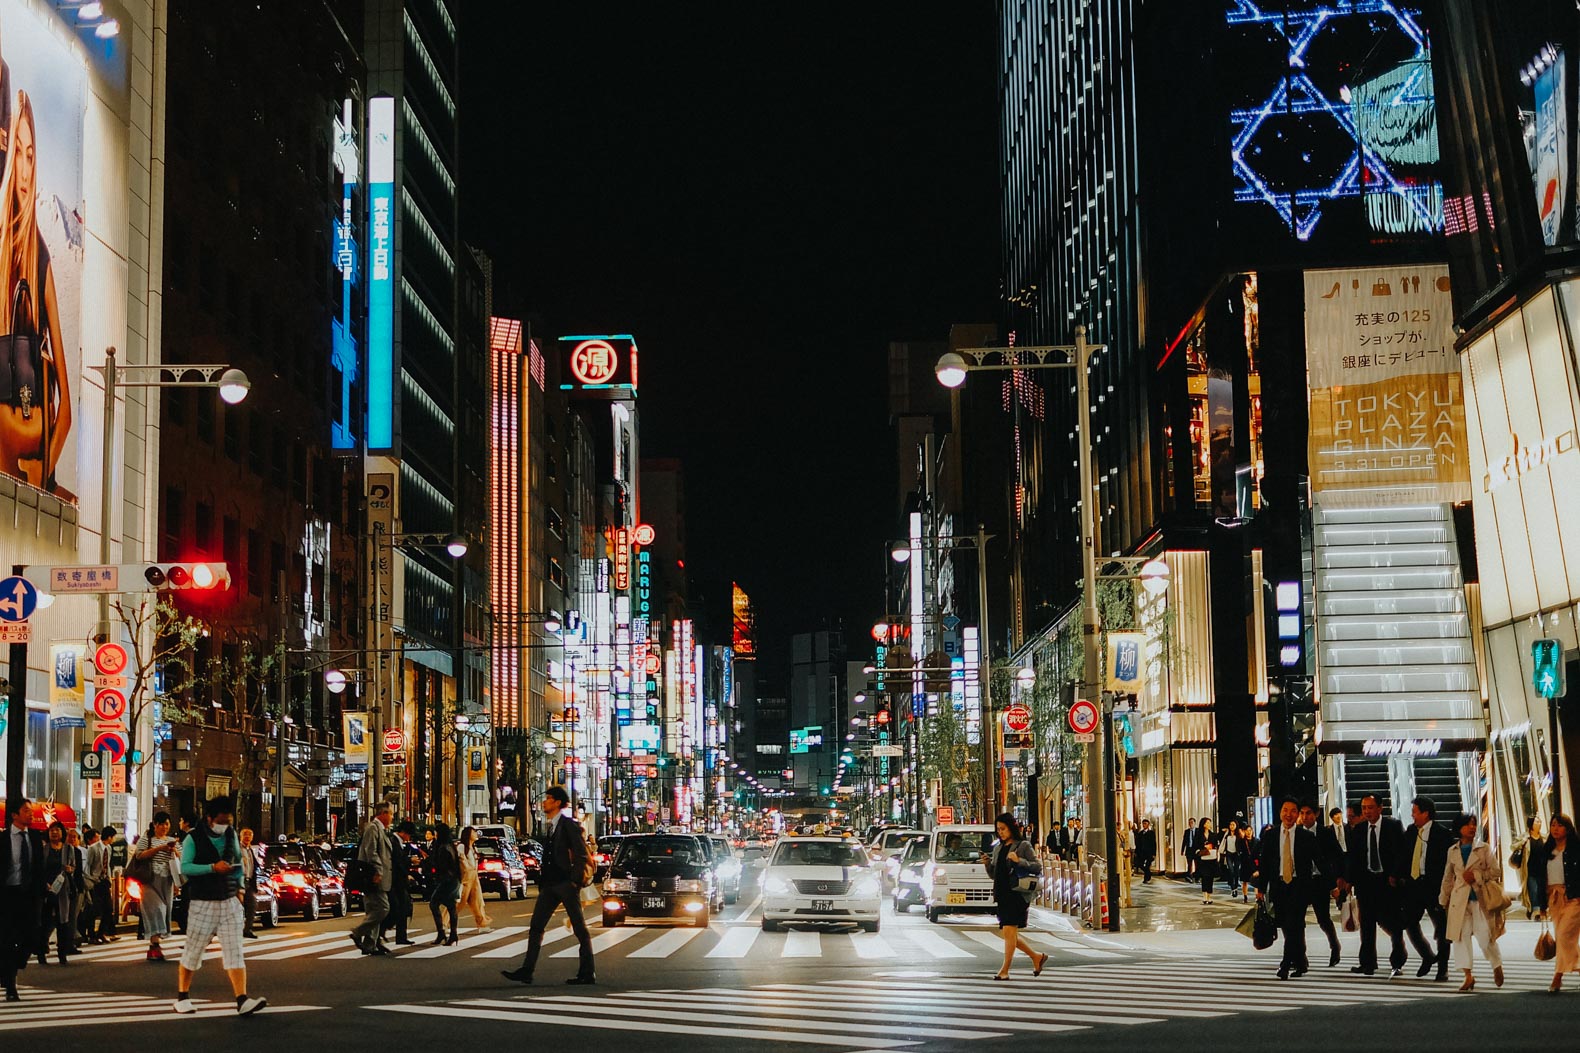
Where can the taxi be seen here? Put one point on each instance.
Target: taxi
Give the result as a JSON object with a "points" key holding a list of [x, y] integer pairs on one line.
{"points": [[820, 880]]}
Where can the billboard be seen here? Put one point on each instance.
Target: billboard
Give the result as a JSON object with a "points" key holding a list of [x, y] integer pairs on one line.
{"points": [[1387, 401], [744, 636], [42, 216], [381, 273], [598, 365]]}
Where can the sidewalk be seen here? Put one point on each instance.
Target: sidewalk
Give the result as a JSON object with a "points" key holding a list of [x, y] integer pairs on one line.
{"points": [[1173, 905]]}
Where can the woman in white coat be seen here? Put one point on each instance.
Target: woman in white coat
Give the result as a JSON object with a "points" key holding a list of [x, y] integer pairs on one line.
{"points": [[1473, 881]]}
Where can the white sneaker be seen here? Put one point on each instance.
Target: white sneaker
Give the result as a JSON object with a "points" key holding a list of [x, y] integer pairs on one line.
{"points": [[251, 1005], [185, 1005]]}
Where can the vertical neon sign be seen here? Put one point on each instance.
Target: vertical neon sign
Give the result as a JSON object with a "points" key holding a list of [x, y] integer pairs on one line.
{"points": [[381, 274], [343, 344]]}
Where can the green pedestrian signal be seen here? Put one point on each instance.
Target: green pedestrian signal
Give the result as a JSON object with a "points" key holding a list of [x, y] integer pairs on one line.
{"points": [[1547, 667]]}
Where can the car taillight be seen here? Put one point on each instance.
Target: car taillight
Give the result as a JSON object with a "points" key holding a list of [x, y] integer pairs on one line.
{"points": [[493, 864], [296, 880]]}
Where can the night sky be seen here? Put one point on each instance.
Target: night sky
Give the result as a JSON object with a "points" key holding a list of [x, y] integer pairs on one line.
{"points": [[765, 196]]}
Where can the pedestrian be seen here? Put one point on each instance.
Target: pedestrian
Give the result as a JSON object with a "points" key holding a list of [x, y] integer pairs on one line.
{"points": [[1206, 858], [1230, 849], [249, 883], [471, 888], [1372, 871], [400, 882], [1056, 840], [1339, 826], [1146, 849], [1188, 848], [156, 849], [1078, 842], [1427, 848], [1520, 860], [79, 894], [110, 920], [565, 871], [1011, 859], [21, 894], [444, 881], [1288, 852], [1317, 880], [1466, 896], [61, 875], [96, 883], [1558, 889], [211, 864], [373, 855]]}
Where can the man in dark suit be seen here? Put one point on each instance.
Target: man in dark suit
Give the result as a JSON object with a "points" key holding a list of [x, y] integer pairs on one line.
{"points": [[1375, 869], [21, 895], [400, 881], [560, 881], [1426, 857], [1288, 852], [1188, 847], [1319, 879], [1056, 841], [1146, 849]]}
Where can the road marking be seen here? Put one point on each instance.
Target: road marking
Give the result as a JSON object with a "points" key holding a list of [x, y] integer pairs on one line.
{"points": [[991, 940], [735, 943], [871, 945], [666, 944], [54, 1009], [481, 939], [743, 915], [312, 945], [802, 945], [646, 1025], [600, 943], [930, 1001], [519, 947], [934, 944], [870, 1010]]}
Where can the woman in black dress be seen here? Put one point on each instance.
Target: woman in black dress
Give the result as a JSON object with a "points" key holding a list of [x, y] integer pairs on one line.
{"points": [[1012, 858]]}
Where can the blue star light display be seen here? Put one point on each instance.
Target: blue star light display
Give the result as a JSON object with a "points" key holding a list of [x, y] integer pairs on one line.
{"points": [[1346, 113]]}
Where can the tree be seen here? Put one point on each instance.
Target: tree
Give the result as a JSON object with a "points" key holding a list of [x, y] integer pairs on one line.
{"points": [[242, 683], [161, 639]]}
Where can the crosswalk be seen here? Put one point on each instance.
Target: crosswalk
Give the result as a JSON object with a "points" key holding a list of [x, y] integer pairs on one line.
{"points": [[896, 1011], [907, 940], [51, 1009]]}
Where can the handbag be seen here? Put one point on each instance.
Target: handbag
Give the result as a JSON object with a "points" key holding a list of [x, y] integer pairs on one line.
{"points": [[1264, 932], [1546, 946], [1517, 857], [138, 868]]}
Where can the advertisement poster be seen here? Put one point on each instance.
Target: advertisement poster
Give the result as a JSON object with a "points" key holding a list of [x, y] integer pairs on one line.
{"points": [[66, 689], [355, 751], [1548, 147], [1387, 401], [42, 100]]}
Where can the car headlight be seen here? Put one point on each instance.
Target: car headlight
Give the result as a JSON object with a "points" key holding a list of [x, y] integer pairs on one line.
{"points": [[690, 885], [619, 884], [730, 868], [865, 886], [775, 886]]}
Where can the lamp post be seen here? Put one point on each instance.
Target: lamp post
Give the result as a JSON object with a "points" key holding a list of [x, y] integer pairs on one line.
{"points": [[233, 386], [951, 371], [465, 728]]}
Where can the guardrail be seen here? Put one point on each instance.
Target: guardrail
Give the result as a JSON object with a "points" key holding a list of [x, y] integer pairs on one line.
{"points": [[1080, 891]]}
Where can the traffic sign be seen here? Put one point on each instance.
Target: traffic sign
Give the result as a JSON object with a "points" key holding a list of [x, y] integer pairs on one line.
{"points": [[16, 632], [1085, 737], [112, 741], [18, 599], [92, 764], [1017, 717], [1083, 717], [944, 815], [108, 704], [110, 659], [86, 579], [394, 740], [117, 778]]}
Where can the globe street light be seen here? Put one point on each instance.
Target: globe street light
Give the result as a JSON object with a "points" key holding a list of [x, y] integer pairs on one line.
{"points": [[233, 386], [1155, 577], [951, 370], [901, 552], [456, 545]]}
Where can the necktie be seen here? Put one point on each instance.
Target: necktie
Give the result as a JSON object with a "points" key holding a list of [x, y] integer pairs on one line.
{"points": [[27, 857], [1375, 861], [1415, 859], [1289, 856]]}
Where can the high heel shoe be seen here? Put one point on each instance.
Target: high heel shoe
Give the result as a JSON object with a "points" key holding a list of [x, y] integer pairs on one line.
{"points": [[1469, 984], [996, 976], [1040, 963], [1557, 984], [1497, 976]]}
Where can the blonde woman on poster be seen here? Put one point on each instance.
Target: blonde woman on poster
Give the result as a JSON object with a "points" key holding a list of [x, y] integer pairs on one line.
{"points": [[35, 401]]}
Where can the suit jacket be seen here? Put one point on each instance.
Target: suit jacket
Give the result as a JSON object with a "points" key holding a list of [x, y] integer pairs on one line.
{"points": [[1146, 843], [400, 866], [1188, 845], [1058, 841], [1270, 861], [1392, 850], [564, 852], [1330, 858], [1434, 858], [33, 878], [375, 849]]}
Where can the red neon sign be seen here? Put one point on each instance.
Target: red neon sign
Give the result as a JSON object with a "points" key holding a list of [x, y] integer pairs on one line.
{"points": [[594, 361], [622, 559], [642, 535]]}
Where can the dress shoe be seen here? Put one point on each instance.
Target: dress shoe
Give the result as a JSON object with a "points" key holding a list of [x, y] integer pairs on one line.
{"points": [[1283, 972], [582, 981], [358, 941], [11, 995], [520, 976], [1301, 971], [1333, 957], [1396, 972], [377, 949], [1426, 966], [1362, 970], [405, 943], [1497, 976]]}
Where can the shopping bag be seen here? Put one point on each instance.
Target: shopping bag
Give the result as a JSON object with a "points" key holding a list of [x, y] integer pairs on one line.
{"points": [[1546, 946], [1247, 926], [1349, 915]]}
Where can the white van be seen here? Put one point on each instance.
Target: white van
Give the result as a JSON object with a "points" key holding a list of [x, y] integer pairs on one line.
{"points": [[956, 882]]}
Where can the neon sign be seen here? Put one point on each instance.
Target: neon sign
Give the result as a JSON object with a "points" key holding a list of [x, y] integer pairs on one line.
{"points": [[594, 361], [601, 366], [622, 559], [381, 281]]}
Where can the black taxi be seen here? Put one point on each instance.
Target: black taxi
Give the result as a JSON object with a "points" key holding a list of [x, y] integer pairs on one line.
{"points": [[659, 877]]}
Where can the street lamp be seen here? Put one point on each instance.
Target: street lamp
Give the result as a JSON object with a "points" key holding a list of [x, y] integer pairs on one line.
{"points": [[901, 552], [951, 371]]}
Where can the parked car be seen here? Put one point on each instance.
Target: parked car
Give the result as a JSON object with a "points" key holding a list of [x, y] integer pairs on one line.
{"points": [[659, 877], [500, 868], [305, 879]]}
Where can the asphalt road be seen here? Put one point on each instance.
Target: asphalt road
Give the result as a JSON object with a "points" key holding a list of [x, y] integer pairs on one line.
{"points": [[912, 986]]}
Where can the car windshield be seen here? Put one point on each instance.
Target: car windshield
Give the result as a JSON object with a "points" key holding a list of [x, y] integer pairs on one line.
{"points": [[289, 855], [897, 838], [722, 849], [683, 850], [753, 852], [958, 848], [488, 850], [915, 851], [818, 854]]}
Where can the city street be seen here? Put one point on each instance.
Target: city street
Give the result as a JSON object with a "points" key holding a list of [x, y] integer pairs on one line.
{"points": [[913, 985]]}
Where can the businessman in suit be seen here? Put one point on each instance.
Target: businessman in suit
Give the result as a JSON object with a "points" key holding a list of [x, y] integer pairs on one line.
{"points": [[1319, 880], [1426, 854], [21, 895], [1288, 853], [560, 881], [1375, 869], [1188, 847]]}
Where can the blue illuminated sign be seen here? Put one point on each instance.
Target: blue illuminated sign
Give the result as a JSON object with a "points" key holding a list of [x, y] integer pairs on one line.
{"points": [[1348, 115], [381, 279], [343, 343]]}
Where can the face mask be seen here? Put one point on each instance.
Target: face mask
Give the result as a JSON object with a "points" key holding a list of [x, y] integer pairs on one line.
{"points": [[219, 828]]}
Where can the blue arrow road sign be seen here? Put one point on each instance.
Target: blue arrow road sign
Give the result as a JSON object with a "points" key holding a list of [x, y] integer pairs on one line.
{"points": [[18, 599]]}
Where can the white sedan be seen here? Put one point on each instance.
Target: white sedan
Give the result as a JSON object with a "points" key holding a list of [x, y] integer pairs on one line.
{"points": [[820, 880]]}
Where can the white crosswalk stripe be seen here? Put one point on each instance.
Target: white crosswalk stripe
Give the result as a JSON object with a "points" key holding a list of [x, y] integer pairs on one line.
{"points": [[466, 943], [40, 1009], [667, 944], [600, 943]]}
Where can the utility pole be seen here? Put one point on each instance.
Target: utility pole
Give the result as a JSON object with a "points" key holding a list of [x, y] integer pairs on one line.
{"points": [[282, 700], [985, 680]]}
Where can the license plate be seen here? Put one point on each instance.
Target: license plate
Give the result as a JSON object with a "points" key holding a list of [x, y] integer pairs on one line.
{"points": [[957, 898], [823, 906], [652, 902]]}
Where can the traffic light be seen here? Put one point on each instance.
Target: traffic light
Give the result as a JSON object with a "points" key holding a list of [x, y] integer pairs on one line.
{"points": [[882, 716], [177, 577], [1547, 667]]}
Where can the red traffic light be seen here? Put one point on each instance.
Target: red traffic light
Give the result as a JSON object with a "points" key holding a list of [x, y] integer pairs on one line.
{"points": [[187, 576], [882, 716]]}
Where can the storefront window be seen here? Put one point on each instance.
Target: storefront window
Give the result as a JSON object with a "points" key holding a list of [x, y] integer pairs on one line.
{"points": [[1520, 773]]}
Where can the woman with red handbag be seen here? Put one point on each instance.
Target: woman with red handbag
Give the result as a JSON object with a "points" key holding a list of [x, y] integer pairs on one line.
{"points": [[1556, 865]]}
